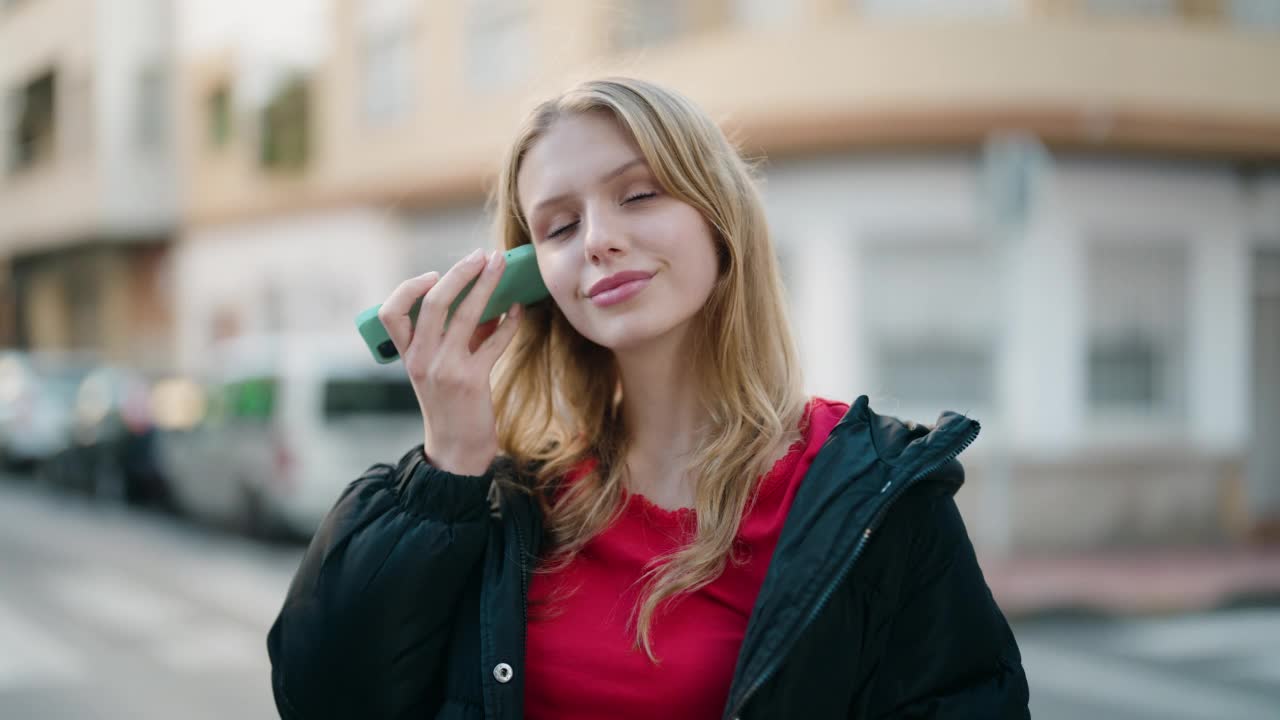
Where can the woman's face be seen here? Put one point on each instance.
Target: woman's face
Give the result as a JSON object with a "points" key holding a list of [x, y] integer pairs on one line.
{"points": [[626, 262]]}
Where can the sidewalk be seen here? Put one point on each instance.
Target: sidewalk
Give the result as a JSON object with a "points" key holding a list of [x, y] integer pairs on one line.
{"points": [[1135, 581]]}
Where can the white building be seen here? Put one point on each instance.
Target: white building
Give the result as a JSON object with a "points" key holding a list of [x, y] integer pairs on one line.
{"points": [[1120, 347], [88, 185], [1108, 309]]}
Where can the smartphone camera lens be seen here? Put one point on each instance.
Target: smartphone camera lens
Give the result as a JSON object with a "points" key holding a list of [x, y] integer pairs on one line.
{"points": [[387, 349]]}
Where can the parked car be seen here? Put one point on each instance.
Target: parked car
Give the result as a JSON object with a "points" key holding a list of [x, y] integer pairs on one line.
{"points": [[111, 454], [37, 404], [284, 424]]}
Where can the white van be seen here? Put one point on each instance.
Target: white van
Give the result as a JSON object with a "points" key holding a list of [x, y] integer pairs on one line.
{"points": [[288, 422]]}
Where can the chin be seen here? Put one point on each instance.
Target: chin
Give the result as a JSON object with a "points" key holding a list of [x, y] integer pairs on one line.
{"points": [[629, 331], [618, 338]]}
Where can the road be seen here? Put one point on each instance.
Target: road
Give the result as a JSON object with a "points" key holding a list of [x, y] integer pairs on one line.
{"points": [[110, 613], [1208, 666]]}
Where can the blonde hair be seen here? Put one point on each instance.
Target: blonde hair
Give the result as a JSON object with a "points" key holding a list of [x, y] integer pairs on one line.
{"points": [[558, 395]]}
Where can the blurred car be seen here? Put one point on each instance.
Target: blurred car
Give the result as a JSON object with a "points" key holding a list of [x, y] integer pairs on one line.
{"points": [[112, 449], [37, 404], [287, 422]]}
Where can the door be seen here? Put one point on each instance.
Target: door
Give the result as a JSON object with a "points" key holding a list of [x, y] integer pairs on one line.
{"points": [[1264, 453]]}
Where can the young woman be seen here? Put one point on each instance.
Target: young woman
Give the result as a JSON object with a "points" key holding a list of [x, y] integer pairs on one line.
{"points": [[641, 515]]}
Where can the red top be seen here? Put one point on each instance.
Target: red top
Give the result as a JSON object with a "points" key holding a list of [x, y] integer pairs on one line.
{"points": [[580, 662]]}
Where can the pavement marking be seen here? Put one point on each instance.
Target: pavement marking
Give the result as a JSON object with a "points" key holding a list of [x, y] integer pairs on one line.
{"points": [[1136, 687], [215, 646], [31, 657], [1262, 666], [243, 591], [1222, 634], [175, 632], [118, 603]]}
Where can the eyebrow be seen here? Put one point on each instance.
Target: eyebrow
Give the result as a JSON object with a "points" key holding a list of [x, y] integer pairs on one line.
{"points": [[603, 178]]}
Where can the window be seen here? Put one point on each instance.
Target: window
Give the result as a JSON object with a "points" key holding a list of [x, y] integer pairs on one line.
{"points": [[763, 13], [1137, 317], [251, 400], [386, 59], [931, 322], [76, 121], [945, 372], [33, 123], [1255, 13], [215, 411], [357, 397], [498, 44], [1125, 372], [1132, 8], [284, 143], [935, 8], [643, 23], [153, 106], [218, 116]]}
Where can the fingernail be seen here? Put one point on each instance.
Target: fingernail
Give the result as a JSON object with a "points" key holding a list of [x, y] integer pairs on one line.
{"points": [[515, 310], [475, 255], [495, 257]]}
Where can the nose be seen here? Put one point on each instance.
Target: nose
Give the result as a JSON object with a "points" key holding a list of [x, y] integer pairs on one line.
{"points": [[605, 236]]}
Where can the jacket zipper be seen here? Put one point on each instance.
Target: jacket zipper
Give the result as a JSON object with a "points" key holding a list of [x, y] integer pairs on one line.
{"points": [[776, 660]]}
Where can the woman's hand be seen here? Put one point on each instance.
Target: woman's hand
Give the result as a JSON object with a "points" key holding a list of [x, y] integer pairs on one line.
{"points": [[450, 368]]}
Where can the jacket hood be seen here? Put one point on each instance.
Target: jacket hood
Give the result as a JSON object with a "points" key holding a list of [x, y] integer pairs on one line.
{"points": [[908, 444]]}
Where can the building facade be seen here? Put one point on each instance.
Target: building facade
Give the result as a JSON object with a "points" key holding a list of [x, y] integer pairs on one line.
{"points": [[1059, 216], [89, 185]]}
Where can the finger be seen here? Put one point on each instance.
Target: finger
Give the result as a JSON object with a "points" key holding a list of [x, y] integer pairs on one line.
{"points": [[435, 306], [493, 346], [394, 313], [483, 331], [465, 318]]}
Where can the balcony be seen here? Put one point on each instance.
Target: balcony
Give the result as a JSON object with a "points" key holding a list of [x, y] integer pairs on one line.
{"points": [[1169, 77]]}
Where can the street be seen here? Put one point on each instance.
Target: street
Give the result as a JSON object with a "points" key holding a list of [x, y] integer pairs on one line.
{"points": [[112, 613], [1213, 666]]}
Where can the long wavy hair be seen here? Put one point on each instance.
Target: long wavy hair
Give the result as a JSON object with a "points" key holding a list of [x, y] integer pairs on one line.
{"points": [[558, 395]]}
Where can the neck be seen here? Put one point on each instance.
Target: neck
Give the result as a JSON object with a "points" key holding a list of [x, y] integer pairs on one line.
{"points": [[663, 415]]}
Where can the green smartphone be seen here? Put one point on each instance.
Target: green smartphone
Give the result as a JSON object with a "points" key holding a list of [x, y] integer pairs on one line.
{"points": [[520, 283]]}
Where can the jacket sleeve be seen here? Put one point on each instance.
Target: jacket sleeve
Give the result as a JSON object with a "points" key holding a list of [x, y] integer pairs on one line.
{"points": [[951, 654], [365, 624]]}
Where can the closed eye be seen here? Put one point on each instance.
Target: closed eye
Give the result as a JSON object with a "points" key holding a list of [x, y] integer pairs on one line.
{"points": [[562, 229], [639, 196]]}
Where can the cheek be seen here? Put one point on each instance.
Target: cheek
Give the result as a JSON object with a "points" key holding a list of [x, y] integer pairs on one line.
{"points": [[702, 254], [560, 278], [687, 232]]}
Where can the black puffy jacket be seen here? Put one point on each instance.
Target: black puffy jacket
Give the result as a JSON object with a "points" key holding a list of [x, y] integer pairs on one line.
{"points": [[410, 601]]}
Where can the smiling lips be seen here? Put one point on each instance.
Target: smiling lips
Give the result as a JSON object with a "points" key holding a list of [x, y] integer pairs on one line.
{"points": [[618, 287]]}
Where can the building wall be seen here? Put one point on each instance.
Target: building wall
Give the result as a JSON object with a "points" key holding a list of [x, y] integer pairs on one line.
{"points": [[1051, 469], [135, 102], [1261, 497], [53, 202], [105, 180], [310, 272], [874, 128], [826, 79], [79, 232]]}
